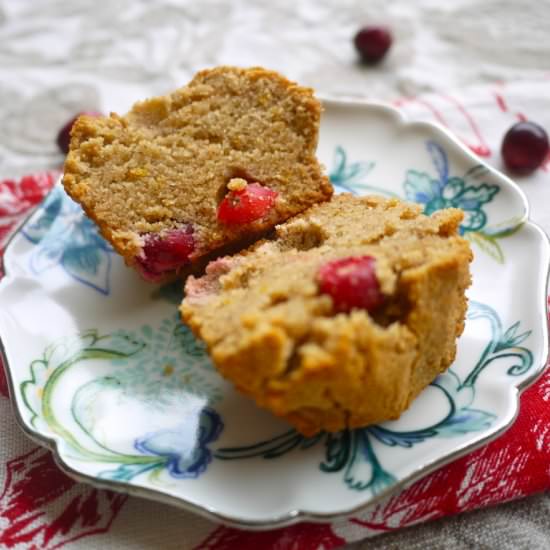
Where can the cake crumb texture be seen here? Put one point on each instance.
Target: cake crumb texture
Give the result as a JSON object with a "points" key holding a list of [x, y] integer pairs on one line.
{"points": [[167, 163], [279, 340]]}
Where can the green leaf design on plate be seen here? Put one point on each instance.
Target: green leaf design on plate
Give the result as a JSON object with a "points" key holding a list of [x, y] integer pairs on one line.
{"points": [[150, 364], [352, 452], [144, 356], [435, 192], [487, 243]]}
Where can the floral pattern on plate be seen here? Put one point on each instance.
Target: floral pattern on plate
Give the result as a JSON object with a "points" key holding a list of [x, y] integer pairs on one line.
{"points": [[129, 400], [67, 240], [436, 191], [158, 367]]}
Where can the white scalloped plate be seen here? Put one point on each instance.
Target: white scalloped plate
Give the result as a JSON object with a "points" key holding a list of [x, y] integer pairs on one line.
{"points": [[102, 372]]}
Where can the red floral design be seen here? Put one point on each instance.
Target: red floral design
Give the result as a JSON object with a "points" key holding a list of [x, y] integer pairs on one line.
{"points": [[18, 196], [42, 508], [513, 466], [304, 536]]}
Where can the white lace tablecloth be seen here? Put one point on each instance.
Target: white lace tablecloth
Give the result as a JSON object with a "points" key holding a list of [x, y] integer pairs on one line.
{"points": [[474, 66]]}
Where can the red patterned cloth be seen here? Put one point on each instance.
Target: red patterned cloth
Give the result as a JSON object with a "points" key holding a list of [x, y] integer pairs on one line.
{"points": [[513, 466], [16, 198], [42, 508]]}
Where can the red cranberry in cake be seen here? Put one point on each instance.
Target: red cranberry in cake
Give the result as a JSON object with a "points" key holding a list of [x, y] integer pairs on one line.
{"points": [[245, 203], [164, 253], [231, 155], [351, 283], [342, 317]]}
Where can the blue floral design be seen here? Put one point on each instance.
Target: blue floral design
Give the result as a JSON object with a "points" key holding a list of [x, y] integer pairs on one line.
{"points": [[150, 357], [185, 451], [349, 176], [435, 192], [460, 419], [66, 238], [352, 451], [171, 359], [444, 191], [182, 452]]}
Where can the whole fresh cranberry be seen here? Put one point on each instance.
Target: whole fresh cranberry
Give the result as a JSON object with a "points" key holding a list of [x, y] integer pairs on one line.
{"points": [[167, 251], [351, 283], [245, 205], [372, 43], [524, 147], [64, 135]]}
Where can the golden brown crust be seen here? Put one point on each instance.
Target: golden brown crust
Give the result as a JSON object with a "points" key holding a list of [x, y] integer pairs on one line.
{"points": [[279, 341], [167, 162]]}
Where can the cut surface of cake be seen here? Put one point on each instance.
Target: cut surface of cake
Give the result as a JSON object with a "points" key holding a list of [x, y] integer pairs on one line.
{"points": [[208, 167], [343, 317]]}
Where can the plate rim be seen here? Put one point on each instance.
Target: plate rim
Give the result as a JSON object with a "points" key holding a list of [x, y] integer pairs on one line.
{"points": [[297, 515]]}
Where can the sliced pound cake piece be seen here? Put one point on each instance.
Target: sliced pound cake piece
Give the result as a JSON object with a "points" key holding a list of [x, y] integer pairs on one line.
{"points": [[209, 167], [343, 317]]}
